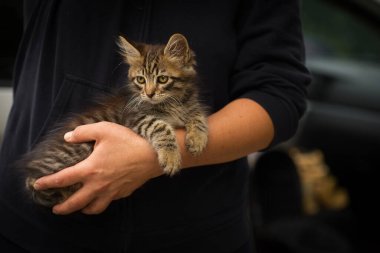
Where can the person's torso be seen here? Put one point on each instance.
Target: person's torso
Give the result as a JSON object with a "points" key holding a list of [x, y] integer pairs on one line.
{"points": [[67, 57]]}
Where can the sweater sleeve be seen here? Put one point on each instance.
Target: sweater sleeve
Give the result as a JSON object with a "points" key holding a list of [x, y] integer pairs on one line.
{"points": [[269, 68]]}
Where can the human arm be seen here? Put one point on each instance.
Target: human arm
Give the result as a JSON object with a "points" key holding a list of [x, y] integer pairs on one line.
{"points": [[123, 161], [267, 91], [240, 128]]}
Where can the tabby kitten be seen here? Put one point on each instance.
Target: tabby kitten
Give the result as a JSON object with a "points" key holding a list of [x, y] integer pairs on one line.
{"points": [[160, 96]]}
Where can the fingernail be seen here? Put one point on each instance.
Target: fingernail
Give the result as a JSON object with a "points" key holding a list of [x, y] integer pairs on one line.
{"points": [[68, 135], [55, 211], [36, 186]]}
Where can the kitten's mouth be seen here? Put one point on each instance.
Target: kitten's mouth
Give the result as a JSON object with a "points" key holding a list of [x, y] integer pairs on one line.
{"points": [[153, 100]]}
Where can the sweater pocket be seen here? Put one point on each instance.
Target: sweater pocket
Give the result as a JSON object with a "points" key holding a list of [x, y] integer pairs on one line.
{"points": [[74, 95]]}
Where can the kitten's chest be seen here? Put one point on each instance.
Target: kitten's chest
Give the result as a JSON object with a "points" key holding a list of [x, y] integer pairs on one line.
{"points": [[174, 121], [175, 117]]}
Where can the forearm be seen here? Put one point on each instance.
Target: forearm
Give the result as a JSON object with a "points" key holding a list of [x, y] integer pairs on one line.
{"points": [[118, 166], [240, 128]]}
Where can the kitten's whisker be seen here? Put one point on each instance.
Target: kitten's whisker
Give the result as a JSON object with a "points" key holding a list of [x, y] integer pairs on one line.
{"points": [[128, 105], [131, 104], [117, 66], [136, 105], [176, 101]]}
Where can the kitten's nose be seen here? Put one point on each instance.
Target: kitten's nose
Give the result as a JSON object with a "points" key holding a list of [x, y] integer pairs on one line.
{"points": [[150, 95]]}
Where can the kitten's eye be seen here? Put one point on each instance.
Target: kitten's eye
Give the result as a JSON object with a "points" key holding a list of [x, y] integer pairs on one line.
{"points": [[140, 79], [162, 79]]}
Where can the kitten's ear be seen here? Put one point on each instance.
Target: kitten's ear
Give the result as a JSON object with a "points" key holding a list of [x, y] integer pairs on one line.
{"points": [[177, 48], [130, 53]]}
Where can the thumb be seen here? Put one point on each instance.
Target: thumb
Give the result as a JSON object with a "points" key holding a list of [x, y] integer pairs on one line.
{"points": [[68, 136], [84, 133]]}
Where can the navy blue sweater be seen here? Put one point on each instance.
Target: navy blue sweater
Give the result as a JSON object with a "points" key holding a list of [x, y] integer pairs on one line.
{"points": [[247, 48]]}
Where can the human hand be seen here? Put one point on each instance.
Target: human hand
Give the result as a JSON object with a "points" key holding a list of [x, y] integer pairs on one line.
{"points": [[121, 162]]}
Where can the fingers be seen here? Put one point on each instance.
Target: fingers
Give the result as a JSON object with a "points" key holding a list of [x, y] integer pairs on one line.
{"points": [[63, 178], [83, 201], [85, 133], [106, 174], [76, 202], [97, 206], [89, 199]]}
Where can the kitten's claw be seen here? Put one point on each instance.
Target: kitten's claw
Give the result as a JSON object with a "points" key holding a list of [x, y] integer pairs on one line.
{"points": [[196, 142], [170, 161]]}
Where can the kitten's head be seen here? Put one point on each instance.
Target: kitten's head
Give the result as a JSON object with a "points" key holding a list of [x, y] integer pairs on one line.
{"points": [[159, 73]]}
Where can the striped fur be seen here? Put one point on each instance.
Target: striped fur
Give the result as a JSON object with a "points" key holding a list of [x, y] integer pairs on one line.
{"points": [[161, 95]]}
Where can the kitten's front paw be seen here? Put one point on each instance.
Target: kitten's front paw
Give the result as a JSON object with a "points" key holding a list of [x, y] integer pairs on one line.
{"points": [[196, 142], [170, 161]]}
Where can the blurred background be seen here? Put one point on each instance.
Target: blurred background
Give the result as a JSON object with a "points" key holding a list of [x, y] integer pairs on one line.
{"points": [[319, 191]]}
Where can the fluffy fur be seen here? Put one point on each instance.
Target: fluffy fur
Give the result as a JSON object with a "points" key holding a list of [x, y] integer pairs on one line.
{"points": [[161, 95]]}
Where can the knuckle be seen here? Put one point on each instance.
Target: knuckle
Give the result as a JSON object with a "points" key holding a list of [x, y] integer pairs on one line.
{"points": [[76, 132], [95, 172], [68, 206], [103, 124], [58, 182]]}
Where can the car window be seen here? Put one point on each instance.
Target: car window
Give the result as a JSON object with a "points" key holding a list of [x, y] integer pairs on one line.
{"points": [[331, 30]]}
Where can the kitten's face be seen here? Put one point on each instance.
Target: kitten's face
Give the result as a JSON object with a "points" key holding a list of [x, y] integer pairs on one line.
{"points": [[156, 79], [159, 73]]}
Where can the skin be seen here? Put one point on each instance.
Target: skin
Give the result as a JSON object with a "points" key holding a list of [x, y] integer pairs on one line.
{"points": [[122, 161]]}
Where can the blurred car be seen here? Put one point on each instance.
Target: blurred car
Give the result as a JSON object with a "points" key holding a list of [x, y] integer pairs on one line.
{"points": [[342, 122], [343, 55]]}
